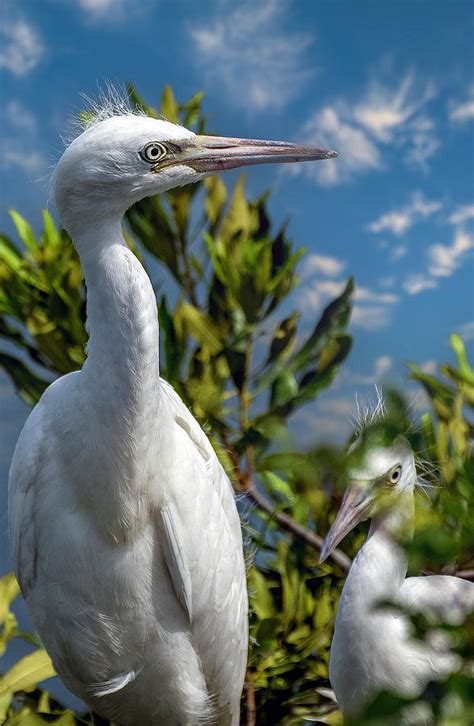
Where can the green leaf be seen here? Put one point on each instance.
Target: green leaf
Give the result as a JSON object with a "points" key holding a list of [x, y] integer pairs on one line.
{"points": [[51, 235], [260, 595], [199, 325], [332, 322], [283, 338], [284, 388], [172, 342], [27, 672], [238, 218], [216, 198], [9, 590], [25, 233], [29, 385], [169, 107]]}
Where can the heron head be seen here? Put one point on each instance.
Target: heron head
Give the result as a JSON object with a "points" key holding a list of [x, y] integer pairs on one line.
{"points": [[379, 475], [121, 159]]}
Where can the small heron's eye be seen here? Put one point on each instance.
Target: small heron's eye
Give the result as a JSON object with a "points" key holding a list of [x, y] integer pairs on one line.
{"points": [[153, 152], [395, 474]]}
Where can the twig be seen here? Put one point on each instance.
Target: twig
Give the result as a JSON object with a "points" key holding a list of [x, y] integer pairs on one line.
{"points": [[463, 574], [247, 486], [250, 700], [291, 525]]}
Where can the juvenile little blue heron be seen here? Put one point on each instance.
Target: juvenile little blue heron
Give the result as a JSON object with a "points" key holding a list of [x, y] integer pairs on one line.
{"points": [[373, 647], [124, 531]]}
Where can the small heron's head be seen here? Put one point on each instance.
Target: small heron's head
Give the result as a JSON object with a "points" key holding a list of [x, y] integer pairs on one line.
{"points": [[378, 478], [121, 159]]}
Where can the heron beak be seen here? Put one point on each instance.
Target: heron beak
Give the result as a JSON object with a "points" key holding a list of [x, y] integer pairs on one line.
{"points": [[354, 509], [206, 154]]}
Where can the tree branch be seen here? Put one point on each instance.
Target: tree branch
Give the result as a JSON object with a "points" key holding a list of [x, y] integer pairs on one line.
{"points": [[247, 486], [294, 527]]}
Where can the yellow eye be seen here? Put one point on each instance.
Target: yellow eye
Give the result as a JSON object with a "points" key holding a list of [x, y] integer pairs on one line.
{"points": [[153, 152], [395, 474]]}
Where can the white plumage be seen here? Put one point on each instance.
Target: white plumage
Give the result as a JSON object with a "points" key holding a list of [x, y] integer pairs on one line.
{"points": [[124, 531], [373, 647]]}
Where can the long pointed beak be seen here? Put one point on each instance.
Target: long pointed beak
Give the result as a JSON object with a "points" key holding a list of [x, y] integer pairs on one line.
{"points": [[218, 153], [354, 509]]}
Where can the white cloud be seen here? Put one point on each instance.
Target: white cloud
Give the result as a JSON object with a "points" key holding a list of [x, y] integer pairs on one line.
{"points": [[112, 11], [386, 109], [397, 252], [365, 294], [462, 111], [324, 264], [385, 115], [331, 416], [382, 366], [358, 154], [19, 117], [248, 50], [417, 282], [466, 331], [399, 221], [15, 156], [23, 48], [370, 317], [462, 214], [20, 146], [445, 259]]}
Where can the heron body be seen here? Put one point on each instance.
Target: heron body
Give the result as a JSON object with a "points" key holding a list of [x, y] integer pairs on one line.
{"points": [[124, 531], [374, 648]]}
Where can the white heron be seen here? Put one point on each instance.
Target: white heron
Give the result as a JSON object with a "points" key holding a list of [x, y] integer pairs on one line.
{"points": [[124, 532], [373, 647]]}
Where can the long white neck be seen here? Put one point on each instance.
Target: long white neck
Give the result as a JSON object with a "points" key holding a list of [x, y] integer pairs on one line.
{"points": [[380, 567], [122, 364]]}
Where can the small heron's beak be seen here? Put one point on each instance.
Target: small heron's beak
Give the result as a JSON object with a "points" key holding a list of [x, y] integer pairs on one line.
{"points": [[354, 509], [208, 154]]}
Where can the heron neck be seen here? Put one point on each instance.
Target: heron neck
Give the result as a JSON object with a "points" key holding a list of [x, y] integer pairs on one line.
{"points": [[380, 567], [122, 321]]}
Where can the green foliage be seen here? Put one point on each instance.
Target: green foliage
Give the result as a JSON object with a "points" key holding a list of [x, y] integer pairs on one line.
{"points": [[244, 368]]}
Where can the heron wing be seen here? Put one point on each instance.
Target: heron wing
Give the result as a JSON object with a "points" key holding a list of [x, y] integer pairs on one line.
{"points": [[216, 563], [175, 556], [23, 478], [441, 598]]}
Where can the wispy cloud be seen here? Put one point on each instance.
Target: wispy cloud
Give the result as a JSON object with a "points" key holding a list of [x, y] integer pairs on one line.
{"points": [[23, 48], [371, 317], [462, 214], [462, 111], [250, 52], [324, 264], [387, 114], [417, 282], [358, 154], [399, 221], [19, 147], [398, 252], [382, 366], [443, 261], [112, 11]]}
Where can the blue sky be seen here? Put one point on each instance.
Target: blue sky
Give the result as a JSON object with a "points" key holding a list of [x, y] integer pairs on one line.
{"points": [[387, 84]]}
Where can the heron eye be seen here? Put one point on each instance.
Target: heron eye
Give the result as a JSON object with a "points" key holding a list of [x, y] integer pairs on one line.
{"points": [[153, 152], [395, 474]]}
